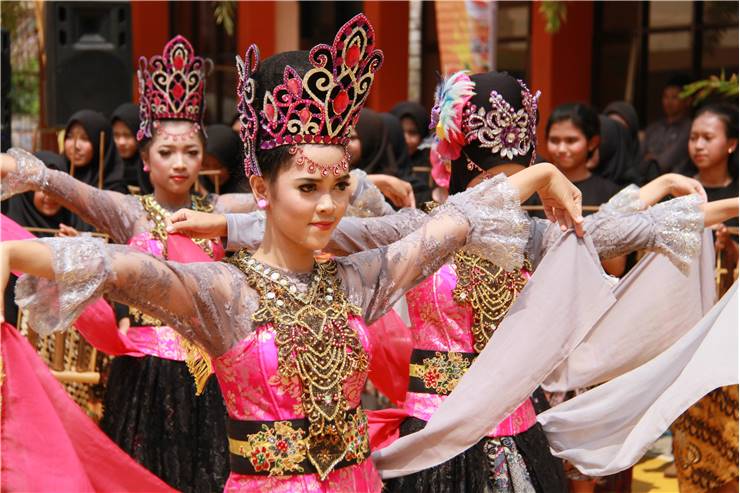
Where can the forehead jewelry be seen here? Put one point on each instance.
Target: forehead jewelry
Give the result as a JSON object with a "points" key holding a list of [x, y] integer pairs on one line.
{"points": [[301, 160]]}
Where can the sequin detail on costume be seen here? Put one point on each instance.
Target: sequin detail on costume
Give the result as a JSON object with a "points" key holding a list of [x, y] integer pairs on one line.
{"points": [[488, 290], [316, 343]]}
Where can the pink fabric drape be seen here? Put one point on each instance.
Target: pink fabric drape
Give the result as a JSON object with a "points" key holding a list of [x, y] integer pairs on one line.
{"points": [[48, 443]]}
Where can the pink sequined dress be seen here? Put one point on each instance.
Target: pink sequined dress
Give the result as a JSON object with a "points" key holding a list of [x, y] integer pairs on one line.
{"points": [[222, 308]]}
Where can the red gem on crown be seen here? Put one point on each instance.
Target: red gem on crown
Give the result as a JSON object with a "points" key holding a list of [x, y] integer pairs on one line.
{"points": [[171, 86]]}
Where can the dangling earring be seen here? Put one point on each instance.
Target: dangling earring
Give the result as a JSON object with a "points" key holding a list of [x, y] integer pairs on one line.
{"points": [[262, 204], [146, 168]]}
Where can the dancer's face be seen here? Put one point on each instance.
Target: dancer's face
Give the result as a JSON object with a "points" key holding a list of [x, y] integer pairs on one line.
{"points": [[568, 146], [708, 142], [124, 140], [174, 157], [77, 146], [304, 208]]}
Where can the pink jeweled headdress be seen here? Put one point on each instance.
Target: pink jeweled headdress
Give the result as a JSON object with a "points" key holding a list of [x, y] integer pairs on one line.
{"points": [[172, 87], [320, 107]]}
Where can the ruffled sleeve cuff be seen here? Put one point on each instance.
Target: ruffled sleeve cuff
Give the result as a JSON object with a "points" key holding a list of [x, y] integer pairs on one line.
{"points": [[499, 228], [626, 201], [367, 199], [679, 224], [245, 231], [81, 269], [29, 175]]}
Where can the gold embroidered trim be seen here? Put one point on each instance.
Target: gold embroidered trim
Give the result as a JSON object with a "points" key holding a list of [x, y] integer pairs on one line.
{"points": [[196, 358], [316, 343], [442, 372], [488, 290], [158, 215]]}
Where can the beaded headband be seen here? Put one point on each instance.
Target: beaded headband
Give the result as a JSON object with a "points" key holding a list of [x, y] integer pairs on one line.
{"points": [[500, 128], [172, 87], [321, 107]]}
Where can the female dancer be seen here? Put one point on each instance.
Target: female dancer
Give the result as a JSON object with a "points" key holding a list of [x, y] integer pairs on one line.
{"points": [[455, 311], [151, 408], [286, 333]]}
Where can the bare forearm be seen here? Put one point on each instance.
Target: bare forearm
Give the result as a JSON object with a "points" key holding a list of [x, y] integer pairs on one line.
{"points": [[531, 179], [719, 211], [29, 257]]}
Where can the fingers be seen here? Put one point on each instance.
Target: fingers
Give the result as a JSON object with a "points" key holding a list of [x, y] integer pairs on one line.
{"points": [[181, 215]]}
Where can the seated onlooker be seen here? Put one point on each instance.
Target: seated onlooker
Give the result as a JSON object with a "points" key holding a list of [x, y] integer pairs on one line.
{"points": [[625, 114], [664, 149], [398, 151], [125, 123], [223, 154]]}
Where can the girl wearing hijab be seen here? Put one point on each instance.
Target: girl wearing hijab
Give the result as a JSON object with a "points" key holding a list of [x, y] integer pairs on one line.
{"points": [[83, 153], [397, 151], [125, 123], [415, 121], [625, 114], [223, 154]]}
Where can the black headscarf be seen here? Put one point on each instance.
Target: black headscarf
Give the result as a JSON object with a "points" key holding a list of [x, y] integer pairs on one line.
{"points": [[508, 87], [397, 150], [226, 146], [416, 112], [629, 115], [616, 163], [94, 122], [374, 138], [133, 167], [21, 208]]}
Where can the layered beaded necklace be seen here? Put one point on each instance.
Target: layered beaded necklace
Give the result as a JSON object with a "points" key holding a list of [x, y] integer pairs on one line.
{"points": [[488, 290], [316, 343], [158, 215]]}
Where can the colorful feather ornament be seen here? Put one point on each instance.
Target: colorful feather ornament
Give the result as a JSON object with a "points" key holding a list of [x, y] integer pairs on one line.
{"points": [[452, 95]]}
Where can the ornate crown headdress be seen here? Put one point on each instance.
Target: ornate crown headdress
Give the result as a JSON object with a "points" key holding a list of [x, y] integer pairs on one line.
{"points": [[172, 86], [500, 128], [319, 107]]}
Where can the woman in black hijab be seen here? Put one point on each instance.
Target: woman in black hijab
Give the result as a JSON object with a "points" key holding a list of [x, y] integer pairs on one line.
{"points": [[625, 114], [368, 145], [35, 210], [224, 153], [617, 159], [125, 123], [415, 122], [82, 150], [397, 152]]}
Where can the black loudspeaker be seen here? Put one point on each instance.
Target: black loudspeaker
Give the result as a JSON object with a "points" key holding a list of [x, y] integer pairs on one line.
{"points": [[88, 58], [5, 110]]}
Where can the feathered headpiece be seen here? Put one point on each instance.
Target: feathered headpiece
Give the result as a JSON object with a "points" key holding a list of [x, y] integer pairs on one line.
{"points": [[495, 125], [172, 87], [319, 107]]}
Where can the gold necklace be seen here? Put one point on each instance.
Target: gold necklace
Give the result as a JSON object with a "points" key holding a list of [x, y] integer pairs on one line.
{"points": [[315, 343], [488, 290], [196, 358], [158, 215]]}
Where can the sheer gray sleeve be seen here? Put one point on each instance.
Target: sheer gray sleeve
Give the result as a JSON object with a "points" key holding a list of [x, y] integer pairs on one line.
{"points": [[486, 219], [671, 228], [367, 199], [109, 212], [234, 202], [245, 231], [208, 303]]}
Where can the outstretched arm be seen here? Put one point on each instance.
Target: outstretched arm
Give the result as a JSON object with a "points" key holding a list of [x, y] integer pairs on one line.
{"points": [[65, 275], [109, 212]]}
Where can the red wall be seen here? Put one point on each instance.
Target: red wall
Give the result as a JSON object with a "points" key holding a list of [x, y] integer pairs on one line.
{"points": [[560, 63], [150, 31], [391, 23], [255, 23]]}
